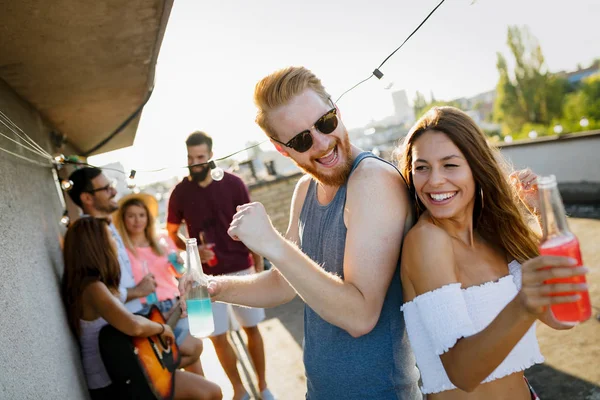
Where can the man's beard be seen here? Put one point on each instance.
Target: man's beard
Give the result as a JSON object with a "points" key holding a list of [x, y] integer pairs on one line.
{"points": [[199, 176], [342, 170]]}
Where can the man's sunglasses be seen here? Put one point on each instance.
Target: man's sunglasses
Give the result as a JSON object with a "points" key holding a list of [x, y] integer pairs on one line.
{"points": [[303, 141], [111, 185]]}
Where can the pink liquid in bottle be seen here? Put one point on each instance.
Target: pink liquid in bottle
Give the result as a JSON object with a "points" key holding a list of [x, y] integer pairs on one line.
{"points": [[581, 310]]}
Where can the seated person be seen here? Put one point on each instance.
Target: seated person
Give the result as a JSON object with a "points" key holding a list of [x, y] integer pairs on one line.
{"points": [[90, 290], [135, 222]]}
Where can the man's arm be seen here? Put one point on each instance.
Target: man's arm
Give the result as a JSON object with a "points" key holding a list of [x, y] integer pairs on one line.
{"points": [[269, 288], [173, 230], [259, 262], [373, 242]]}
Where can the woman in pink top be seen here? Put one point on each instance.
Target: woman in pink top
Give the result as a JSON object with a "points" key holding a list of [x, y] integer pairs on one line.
{"points": [[135, 223]]}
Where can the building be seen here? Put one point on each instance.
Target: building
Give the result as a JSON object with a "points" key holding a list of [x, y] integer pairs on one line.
{"points": [[403, 112], [574, 77], [70, 73]]}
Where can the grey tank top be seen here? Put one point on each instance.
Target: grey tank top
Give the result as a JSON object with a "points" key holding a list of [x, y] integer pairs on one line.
{"points": [[379, 365]]}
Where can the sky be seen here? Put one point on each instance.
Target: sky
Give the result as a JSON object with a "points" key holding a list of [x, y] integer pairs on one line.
{"points": [[214, 52]]}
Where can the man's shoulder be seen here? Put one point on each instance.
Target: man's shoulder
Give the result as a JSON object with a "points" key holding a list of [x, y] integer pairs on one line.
{"points": [[233, 179], [375, 165], [180, 186], [375, 174]]}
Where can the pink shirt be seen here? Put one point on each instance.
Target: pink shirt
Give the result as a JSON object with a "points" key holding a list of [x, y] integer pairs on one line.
{"points": [[166, 284]]}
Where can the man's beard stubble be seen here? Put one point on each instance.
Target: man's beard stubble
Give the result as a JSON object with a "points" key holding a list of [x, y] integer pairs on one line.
{"points": [[343, 171], [199, 176]]}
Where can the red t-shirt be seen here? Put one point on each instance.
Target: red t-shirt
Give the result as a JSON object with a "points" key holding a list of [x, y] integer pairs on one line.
{"points": [[211, 210]]}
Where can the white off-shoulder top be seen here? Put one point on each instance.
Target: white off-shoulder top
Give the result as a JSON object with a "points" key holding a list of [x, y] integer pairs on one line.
{"points": [[436, 320]]}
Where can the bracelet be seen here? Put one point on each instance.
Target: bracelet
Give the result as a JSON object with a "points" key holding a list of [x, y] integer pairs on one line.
{"points": [[163, 329]]}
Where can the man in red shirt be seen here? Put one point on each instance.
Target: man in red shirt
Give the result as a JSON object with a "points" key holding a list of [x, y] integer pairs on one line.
{"points": [[207, 207]]}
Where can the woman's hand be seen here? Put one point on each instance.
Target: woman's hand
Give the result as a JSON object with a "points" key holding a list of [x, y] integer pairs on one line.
{"points": [[535, 295], [167, 336]]}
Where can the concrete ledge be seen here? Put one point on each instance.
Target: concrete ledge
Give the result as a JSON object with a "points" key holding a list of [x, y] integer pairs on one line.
{"points": [[279, 178], [546, 139]]}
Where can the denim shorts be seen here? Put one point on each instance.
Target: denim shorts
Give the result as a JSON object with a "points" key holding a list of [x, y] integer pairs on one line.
{"points": [[182, 329]]}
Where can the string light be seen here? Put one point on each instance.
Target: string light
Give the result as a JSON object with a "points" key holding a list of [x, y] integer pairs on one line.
{"points": [[65, 220], [130, 180], [387, 84], [66, 185], [216, 173]]}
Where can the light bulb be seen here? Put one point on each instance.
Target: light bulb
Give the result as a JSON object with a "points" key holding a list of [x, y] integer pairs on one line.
{"points": [[558, 129], [534, 134], [217, 173], [584, 122], [508, 139], [66, 185], [65, 220], [59, 159], [130, 183]]}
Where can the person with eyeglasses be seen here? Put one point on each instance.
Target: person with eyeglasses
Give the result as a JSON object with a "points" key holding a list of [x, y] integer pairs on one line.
{"points": [[341, 252], [95, 195], [207, 207]]}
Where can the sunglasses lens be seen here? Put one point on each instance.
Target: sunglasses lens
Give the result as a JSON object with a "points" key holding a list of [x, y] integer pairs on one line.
{"points": [[328, 123], [302, 142]]}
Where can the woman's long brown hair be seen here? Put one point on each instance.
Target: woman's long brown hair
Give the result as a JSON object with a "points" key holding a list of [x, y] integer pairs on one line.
{"points": [[500, 221], [89, 256]]}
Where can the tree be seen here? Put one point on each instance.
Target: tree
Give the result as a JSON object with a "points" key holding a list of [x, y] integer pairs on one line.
{"points": [[530, 94], [419, 104], [585, 102]]}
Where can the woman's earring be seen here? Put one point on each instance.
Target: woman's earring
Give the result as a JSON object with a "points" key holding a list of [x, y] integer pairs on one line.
{"points": [[481, 192]]}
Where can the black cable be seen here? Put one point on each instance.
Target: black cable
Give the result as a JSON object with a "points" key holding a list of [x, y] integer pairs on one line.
{"points": [[162, 169], [377, 73], [120, 127], [364, 80], [93, 166], [239, 151], [413, 32]]}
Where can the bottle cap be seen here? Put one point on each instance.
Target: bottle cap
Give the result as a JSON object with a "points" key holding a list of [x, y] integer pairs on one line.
{"points": [[546, 181]]}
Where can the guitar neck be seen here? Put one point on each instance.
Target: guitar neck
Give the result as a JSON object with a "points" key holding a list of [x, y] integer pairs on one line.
{"points": [[175, 315]]}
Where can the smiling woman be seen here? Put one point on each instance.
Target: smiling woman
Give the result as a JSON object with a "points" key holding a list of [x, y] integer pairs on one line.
{"points": [[473, 287]]}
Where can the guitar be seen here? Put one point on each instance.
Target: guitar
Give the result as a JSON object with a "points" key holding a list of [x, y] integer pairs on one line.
{"points": [[143, 367]]}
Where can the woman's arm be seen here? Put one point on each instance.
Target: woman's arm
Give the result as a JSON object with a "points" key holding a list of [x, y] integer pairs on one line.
{"points": [[115, 313]]}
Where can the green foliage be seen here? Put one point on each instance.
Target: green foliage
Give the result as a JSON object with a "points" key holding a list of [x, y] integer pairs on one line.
{"points": [[529, 94], [421, 105]]}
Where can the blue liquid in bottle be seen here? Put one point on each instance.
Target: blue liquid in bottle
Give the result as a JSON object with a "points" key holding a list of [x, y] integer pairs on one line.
{"points": [[199, 306]]}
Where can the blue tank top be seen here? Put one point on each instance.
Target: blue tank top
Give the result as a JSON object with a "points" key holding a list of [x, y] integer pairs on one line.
{"points": [[379, 365]]}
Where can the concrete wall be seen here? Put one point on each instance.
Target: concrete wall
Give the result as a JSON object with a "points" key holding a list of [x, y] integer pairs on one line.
{"points": [[39, 358], [574, 159]]}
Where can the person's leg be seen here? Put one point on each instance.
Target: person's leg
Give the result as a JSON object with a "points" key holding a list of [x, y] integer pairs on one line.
{"points": [[192, 386], [225, 353], [249, 319], [191, 349]]}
